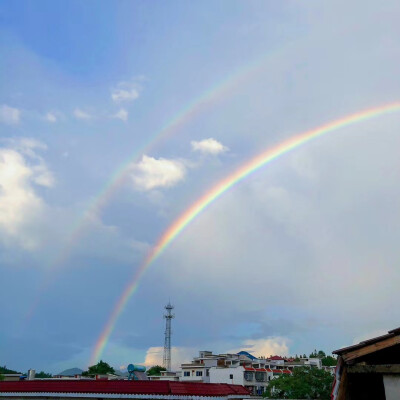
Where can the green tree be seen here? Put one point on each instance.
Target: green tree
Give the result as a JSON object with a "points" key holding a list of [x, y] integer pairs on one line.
{"points": [[318, 354], [155, 370], [1, 377], [304, 383], [43, 374], [329, 361], [100, 368], [5, 370]]}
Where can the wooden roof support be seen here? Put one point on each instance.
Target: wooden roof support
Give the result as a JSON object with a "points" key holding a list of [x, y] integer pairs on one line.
{"points": [[373, 347], [374, 369]]}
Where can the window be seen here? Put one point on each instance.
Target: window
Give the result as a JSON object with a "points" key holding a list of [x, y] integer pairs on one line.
{"points": [[186, 373], [231, 376], [248, 376], [207, 372], [199, 373]]}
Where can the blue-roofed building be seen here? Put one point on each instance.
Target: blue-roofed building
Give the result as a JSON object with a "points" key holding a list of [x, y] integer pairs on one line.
{"points": [[245, 353]]}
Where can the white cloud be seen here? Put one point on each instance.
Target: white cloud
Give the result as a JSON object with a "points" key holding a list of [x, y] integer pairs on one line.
{"points": [[179, 355], [20, 170], [79, 114], [9, 115], [42, 176], [122, 114], [120, 95], [208, 146], [151, 173], [265, 347], [126, 91], [257, 347], [50, 117]]}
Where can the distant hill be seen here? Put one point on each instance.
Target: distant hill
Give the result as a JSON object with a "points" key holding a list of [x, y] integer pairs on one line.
{"points": [[120, 373], [71, 372]]}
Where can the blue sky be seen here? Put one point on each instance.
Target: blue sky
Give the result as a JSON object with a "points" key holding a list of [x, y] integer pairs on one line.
{"points": [[301, 255]]}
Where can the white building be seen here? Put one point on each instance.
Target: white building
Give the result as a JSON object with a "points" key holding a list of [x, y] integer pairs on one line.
{"points": [[239, 369], [166, 376]]}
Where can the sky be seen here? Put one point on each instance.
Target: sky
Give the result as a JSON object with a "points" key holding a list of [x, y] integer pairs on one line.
{"points": [[117, 116]]}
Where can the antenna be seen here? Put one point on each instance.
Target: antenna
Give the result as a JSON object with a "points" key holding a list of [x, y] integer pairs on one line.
{"points": [[167, 342]]}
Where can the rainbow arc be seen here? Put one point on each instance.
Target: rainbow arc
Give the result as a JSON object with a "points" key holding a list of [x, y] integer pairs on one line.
{"points": [[248, 168]]}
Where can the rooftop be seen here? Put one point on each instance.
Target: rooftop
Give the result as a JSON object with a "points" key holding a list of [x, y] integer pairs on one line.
{"points": [[161, 388]]}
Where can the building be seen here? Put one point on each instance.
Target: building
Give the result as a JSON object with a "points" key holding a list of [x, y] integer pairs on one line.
{"points": [[369, 370], [12, 377], [105, 389], [165, 376], [239, 369]]}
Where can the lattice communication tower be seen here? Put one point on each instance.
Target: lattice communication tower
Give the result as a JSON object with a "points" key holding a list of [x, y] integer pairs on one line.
{"points": [[167, 342]]}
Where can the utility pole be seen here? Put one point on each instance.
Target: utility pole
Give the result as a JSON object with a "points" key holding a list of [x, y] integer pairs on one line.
{"points": [[167, 342]]}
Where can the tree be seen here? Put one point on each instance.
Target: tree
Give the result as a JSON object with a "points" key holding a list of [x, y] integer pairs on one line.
{"points": [[329, 361], [304, 383], [101, 368], [5, 370], [1, 377], [43, 374], [155, 370]]}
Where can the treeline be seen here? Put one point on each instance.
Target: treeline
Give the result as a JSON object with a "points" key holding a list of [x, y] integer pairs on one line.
{"points": [[5, 370], [41, 374], [327, 361]]}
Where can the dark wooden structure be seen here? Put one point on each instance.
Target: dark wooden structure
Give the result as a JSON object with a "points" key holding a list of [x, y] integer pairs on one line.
{"points": [[369, 370]]}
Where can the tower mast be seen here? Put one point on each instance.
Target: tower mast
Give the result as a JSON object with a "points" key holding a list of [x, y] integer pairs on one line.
{"points": [[167, 342]]}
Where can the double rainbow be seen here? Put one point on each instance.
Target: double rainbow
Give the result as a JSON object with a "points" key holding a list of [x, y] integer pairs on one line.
{"points": [[176, 228], [216, 92]]}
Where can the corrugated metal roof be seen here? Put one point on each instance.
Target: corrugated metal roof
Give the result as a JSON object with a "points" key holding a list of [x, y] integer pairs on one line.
{"points": [[124, 387]]}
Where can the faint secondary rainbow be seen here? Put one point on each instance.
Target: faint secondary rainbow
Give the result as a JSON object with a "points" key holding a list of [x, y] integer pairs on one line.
{"points": [[77, 229], [214, 193]]}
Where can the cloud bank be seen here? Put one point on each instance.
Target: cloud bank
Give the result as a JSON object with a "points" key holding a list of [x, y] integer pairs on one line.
{"points": [[21, 169]]}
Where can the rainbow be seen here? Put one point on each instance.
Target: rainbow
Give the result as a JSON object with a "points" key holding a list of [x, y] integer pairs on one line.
{"points": [[177, 227], [216, 92]]}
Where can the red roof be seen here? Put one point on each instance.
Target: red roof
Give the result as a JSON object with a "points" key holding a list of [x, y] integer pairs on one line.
{"points": [[286, 371], [279, 371], [275, 358], [269, 369], [249, 369], [125, 387], [261, 369]]}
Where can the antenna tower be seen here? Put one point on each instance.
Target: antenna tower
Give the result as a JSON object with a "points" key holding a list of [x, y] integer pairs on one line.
{"points": [[167, 342]]}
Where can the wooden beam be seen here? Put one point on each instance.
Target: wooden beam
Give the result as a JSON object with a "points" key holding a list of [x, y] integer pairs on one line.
{"points": [[343, 385], [374, 369], [372, 348]]}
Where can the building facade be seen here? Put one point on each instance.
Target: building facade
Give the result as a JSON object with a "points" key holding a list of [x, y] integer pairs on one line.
{"points": [[239, 369]]}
